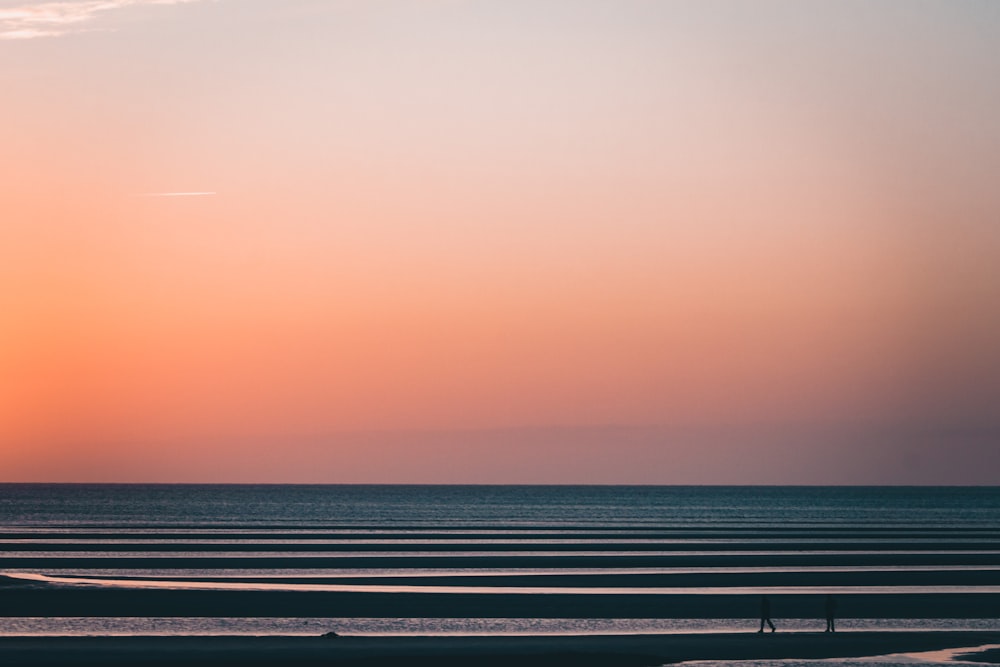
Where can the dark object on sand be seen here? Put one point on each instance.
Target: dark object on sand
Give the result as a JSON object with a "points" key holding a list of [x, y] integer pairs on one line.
{"points": [[330, 635], [831, 613], [765, 613]]}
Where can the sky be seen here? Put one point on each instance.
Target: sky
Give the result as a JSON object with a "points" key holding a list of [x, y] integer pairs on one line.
{"points": [[500, 241]]}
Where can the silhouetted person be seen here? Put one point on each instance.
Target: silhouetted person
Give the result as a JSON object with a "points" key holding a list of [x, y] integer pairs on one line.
{"points": [[765, 613], [831, 613]]}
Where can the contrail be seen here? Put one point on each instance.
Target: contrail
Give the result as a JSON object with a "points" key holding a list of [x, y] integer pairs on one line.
{"points": [[175, 194]]}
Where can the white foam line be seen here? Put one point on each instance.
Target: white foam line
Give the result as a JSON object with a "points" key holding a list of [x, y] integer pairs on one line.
{"points": [[494, 590], [458, 541], [353, 573], [558, 553]]}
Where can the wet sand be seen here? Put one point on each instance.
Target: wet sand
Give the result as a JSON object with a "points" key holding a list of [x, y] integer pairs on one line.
{"points": [[89, 601], [617, 651], [714, 558]]}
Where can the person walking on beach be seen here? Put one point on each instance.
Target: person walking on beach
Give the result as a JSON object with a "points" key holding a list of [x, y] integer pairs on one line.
{"points": [[765, 613], [831, 612]]}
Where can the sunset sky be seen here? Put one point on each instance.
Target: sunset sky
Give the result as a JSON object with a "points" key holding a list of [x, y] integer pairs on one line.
{"points": [[500, 241]]}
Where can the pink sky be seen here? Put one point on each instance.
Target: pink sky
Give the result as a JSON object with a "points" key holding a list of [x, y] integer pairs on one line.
{"points": [[485, 241]]}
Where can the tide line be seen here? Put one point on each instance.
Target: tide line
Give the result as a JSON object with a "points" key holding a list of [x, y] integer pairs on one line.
{"points": [[491, 590]]}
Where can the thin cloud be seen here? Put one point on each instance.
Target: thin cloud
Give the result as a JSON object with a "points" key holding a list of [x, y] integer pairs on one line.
{"points": [[52, 19]]}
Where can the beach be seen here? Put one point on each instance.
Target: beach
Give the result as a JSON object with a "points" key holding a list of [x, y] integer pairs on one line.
{"points": [[620, 651], [28, 598], [617, 576]]}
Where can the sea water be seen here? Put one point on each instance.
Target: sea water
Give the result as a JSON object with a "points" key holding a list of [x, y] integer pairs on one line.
{"points": [[296, 537]]}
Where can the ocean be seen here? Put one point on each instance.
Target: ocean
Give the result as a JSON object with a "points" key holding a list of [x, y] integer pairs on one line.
{"points": [[398, 560]]}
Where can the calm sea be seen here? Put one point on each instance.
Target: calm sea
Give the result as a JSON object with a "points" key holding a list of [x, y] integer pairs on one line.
{"points": [[518, 543]]}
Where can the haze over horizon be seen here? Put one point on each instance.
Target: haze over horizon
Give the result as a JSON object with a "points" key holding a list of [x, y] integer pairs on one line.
{"points": [[485, 241]]}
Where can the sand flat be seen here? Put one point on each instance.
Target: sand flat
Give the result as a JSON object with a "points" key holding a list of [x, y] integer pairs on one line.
{"points": [[618, 651], [48, 600]]}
